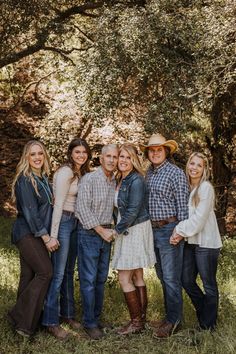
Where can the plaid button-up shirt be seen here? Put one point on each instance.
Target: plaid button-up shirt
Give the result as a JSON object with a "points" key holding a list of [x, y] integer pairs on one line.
{"points": [[168, 192], [95, 199]]}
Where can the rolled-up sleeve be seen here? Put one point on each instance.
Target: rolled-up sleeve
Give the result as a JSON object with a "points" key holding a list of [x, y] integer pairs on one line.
{"points": [[26, 196], [181, 191]]}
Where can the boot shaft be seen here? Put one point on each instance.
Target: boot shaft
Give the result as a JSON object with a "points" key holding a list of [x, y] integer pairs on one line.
{"points": [[142, 295]]}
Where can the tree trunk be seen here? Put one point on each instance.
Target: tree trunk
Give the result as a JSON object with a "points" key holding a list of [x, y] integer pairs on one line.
{"points": [[223, 122]]}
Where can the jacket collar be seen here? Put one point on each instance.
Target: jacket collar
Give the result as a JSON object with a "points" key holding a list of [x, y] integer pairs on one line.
{"points": [[129, 176]]}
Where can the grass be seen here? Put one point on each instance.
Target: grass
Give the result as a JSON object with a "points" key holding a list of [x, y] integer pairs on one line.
{"points": [[187, 341]]}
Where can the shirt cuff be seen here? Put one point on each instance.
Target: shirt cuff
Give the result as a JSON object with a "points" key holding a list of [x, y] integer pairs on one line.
{"points": [[87, 225], [41, 232]]}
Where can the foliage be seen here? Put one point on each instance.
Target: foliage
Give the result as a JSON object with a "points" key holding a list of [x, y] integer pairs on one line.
{"points": [[120, 70], [161, 64], [228, 260]]}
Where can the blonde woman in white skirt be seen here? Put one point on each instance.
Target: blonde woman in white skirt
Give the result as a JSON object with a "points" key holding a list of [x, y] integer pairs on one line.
{"points": [[134, 249]]}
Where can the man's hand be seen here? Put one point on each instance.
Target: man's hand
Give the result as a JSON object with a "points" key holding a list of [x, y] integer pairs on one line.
{"points": [[106, 234], [175, 239]]}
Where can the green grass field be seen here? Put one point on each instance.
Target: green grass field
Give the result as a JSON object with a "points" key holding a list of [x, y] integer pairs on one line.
{"points": [[188, 340]]}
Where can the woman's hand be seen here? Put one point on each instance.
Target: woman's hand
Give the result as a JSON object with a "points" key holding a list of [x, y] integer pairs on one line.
{"points": [[51, 243], [114, 235]]}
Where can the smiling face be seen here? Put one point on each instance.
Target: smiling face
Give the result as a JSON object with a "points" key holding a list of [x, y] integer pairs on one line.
{"points": [[195, 169], [36, 158], [109, 160], [157, 155], [79, 156], [125, 165]]}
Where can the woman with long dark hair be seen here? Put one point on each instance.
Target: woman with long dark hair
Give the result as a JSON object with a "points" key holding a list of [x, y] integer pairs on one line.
{"points": [[59, 305], [30, 234]]}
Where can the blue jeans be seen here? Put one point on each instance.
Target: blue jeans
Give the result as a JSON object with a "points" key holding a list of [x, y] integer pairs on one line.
{"points": [[169, 270], [202, 261], [60, 296], [93, 266]]}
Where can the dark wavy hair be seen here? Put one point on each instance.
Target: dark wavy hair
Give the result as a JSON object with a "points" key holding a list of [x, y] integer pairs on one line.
{"points": [[69, 161]]}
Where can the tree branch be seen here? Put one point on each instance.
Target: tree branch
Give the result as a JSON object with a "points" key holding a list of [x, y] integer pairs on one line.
{"points": [[65, 51], [51, 27], [84, 35], [57, 21], [36, 83]]}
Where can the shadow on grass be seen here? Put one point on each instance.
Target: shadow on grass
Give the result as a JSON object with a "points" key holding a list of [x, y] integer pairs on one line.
{"points": [[5, 233]]}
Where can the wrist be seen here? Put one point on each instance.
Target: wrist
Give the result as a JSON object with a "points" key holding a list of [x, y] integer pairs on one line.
{"points": [[46, 240], [99, 229]]}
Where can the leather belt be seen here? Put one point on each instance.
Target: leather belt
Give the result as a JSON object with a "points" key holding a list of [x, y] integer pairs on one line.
{"points": [[68, 213], [106, 226], [156, 224]]}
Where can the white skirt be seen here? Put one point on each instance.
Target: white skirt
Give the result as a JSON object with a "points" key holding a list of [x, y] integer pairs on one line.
{"points": [[135, 250]]}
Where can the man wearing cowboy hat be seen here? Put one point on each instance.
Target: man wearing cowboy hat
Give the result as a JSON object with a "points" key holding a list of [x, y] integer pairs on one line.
{"points": [[168, 204]]}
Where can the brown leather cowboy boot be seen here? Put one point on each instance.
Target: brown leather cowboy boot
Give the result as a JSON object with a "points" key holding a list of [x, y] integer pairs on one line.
{"points": [[142, 295], [136, 323]]}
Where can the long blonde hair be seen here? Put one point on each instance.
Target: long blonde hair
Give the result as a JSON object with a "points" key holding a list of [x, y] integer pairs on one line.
{"points": [[23, 167], [133, 153], [205, 175]]}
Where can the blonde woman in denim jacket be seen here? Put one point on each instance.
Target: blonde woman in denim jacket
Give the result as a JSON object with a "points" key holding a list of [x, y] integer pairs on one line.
{"points": [[134, 249], [31, 235]]}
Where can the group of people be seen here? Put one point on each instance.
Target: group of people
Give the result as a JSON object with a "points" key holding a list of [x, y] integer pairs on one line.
{"points": [[164, 218]]}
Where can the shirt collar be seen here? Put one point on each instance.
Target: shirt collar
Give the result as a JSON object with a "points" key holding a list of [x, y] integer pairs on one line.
{"points": [[160, 167], [102, 174]]}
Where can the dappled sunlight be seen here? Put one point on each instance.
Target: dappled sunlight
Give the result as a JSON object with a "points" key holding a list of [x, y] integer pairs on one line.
{"points": [[9, 265]]}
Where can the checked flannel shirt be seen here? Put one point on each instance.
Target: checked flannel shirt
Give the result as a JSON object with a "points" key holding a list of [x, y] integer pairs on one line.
{"points": [[95, 199], [168, 192]]}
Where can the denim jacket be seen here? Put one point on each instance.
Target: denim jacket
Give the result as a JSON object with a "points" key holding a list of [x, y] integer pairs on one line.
{"points": [[132, 202], [34, 211]]}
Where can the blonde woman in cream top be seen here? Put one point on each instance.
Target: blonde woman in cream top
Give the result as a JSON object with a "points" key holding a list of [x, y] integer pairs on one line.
{"points": [[201, 227], [59, 305], [203, 243]]}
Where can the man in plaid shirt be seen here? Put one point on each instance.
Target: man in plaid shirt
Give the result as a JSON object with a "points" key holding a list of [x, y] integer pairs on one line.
{"points": [[168, 204], [94, 209]]}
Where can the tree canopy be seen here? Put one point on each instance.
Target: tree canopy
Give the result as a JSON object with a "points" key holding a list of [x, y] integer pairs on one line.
{"points": [[123, 69]]}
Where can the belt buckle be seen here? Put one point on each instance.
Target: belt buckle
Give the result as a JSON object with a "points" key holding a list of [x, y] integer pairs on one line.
{"points": [[155, 224], [107, 226]]}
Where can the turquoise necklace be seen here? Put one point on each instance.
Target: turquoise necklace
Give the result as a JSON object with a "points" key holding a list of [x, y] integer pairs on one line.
{"points": [[44, 183]]}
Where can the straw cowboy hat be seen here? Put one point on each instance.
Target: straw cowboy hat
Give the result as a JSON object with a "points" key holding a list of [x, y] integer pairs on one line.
{"points": [[159, 140]]}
